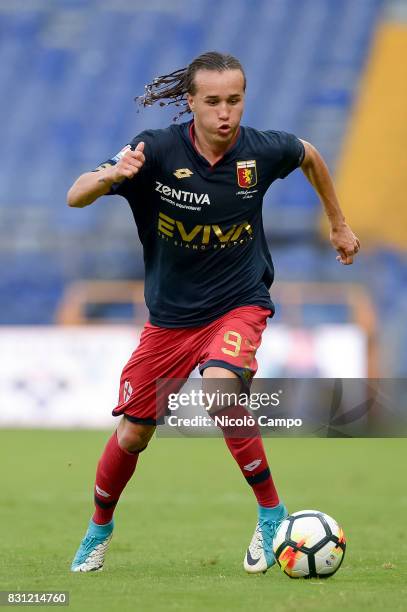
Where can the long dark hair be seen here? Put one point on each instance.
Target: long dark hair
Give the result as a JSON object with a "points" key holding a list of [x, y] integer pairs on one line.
{"points": [[172, 88]]}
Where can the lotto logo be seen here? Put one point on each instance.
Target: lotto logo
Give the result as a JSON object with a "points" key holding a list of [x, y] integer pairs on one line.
{"points": [[101, 492], [253, 465], [183, 173]]}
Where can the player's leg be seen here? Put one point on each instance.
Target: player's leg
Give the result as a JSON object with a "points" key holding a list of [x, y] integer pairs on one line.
{"points": [[155, 357], [117, 465], [231, 357], [248, 449], [115, 468]]}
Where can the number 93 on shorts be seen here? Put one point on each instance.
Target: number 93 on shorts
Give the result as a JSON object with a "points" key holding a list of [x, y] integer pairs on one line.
{"points": [[230, 341]]}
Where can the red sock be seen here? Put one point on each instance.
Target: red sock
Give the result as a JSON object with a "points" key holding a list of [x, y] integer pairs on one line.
{"points": [[249, 453], [115, 468], [251, 458]]}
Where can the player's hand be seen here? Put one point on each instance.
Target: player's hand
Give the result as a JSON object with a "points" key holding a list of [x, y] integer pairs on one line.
{"points": [[129, 164], [345, 242]]}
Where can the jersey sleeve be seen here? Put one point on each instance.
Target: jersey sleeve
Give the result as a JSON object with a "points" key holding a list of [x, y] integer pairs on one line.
{"points": [[125, 187], [291, 151]]}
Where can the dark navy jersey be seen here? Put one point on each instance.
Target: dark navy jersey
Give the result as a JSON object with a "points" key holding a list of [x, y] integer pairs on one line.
{"points": [[201, 226]]}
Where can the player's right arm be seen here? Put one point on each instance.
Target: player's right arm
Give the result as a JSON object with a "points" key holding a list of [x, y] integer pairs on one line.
{"points": [[91, 185]]}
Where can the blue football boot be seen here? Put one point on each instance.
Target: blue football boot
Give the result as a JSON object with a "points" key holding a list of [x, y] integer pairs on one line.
{"points": [[259, 556], [90, 555]]}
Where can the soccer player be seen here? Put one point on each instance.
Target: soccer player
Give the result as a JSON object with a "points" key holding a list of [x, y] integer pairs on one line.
{"points": [[196, 191]]}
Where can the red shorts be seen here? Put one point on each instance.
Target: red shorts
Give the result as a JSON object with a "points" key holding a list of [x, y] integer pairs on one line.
{"points": [[230, 342]]}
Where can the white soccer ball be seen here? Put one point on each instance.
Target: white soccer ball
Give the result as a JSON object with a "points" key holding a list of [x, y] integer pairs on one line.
{"points": [[309, 544]]}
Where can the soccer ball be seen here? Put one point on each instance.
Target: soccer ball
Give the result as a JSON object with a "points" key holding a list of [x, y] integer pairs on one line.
{"points": [[309, 544]]}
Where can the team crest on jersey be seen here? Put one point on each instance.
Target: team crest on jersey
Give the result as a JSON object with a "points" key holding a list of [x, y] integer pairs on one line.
{"points": [[183, 173], [127, 391], [246, 173]]}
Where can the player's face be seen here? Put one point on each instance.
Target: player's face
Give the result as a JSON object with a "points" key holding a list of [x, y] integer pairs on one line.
{"points": [[218, 103]]}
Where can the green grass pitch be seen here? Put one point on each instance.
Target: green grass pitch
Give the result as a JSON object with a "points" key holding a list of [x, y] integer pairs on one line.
{"points": [[184, 522]]}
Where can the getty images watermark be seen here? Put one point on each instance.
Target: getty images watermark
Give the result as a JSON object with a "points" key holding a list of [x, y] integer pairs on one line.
{"points": [[283, 407], [225, 409]]}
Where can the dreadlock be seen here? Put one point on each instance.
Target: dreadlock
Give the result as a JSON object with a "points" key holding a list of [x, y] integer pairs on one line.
{"points": [[172, 88]]}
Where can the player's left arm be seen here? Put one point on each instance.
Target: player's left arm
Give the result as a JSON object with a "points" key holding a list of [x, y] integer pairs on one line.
{"points": [[341, 236]]}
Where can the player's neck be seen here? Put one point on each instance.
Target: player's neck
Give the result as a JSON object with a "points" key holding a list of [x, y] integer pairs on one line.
{"points": [[211, 151]]}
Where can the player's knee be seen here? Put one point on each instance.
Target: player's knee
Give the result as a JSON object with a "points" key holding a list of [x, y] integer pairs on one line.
{"points": [[134, 437], [221, 389], [133, 442]]}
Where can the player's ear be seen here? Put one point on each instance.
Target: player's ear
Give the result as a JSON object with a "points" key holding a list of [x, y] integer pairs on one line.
{"points": [[190, 100]]}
